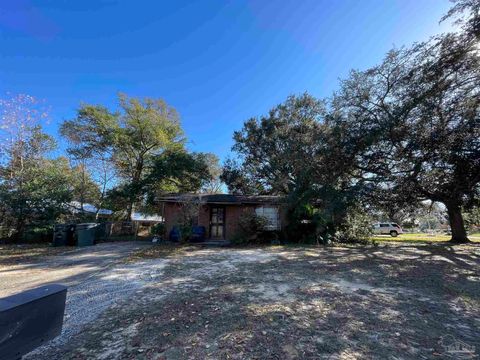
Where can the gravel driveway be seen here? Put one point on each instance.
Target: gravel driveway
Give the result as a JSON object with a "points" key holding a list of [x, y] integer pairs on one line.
{"points": [[391, 302], [70, 268], [96, 277]]}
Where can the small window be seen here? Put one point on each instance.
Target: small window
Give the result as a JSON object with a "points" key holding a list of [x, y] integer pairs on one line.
{"points": [[271, 214], [384, 225]]}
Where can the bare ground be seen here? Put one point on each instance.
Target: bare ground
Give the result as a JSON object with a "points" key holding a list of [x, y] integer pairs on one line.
{"points": [[11, 255], [389, 302], [24, 267]]}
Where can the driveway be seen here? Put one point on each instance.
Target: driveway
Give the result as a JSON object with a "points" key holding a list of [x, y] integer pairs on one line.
{"points": [[390, 302], [87, 272], [70, 268]]}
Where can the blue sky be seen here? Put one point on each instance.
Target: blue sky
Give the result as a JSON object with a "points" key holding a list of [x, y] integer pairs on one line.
{"points": [[217, 62]]}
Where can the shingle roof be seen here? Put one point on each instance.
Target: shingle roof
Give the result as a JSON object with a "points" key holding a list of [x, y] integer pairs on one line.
{"points": [[224, 198]]}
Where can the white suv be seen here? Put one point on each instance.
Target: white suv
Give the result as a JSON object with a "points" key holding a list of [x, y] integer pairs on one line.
{"points": [[391, 229]]}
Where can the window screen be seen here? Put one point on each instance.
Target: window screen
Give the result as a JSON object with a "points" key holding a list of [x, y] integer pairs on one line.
{"points": [[271, 214]]}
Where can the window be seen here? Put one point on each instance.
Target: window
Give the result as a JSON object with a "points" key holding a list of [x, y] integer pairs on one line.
{"points": [[271, 214], [384, 225]]}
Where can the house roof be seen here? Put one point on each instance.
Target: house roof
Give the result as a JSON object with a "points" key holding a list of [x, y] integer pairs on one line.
{"points": [[224, 199]]}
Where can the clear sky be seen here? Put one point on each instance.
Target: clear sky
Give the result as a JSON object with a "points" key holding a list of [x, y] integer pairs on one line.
{"points": [[217, 62]]}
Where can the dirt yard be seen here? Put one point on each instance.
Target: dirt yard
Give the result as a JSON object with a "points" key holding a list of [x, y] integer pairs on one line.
{"points": [[394, 301], [24, 267]]}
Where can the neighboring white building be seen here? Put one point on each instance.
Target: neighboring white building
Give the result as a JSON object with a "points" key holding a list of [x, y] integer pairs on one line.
{"points": [[88, 208], [91, 209], [136, 216]]}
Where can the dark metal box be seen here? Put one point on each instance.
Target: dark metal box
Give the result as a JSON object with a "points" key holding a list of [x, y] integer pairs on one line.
{"points": [[29, 319]]}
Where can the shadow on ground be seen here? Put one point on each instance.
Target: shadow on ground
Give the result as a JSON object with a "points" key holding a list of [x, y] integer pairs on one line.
{"points": [[389, 302]]}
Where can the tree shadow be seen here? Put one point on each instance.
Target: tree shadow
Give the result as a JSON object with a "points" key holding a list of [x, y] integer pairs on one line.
{"points": [[300, 303]]}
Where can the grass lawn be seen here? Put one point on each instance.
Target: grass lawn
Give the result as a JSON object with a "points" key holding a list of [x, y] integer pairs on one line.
{"points": [[421, 237]]}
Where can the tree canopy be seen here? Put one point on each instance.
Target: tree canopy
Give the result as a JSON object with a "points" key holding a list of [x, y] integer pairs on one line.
{"points": [[277, 150], [144, 141], [120, 159], [33, 188], [404, 131], [412, 125], [290, 152]]}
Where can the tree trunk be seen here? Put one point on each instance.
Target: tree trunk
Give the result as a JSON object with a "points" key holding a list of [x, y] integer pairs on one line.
{"points": [[102, 197], [459, 234], [129, 210], [19, 230], [134, 192]]}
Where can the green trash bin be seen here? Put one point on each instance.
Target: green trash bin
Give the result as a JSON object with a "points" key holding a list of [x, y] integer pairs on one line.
{"points": [[86, 234], [101, 231], [60, 235]]}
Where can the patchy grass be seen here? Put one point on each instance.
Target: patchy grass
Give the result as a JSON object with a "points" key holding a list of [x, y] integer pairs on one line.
{"points": [[292, 303], [17, 254], [159, 251], [120, 238], [419, 237]]}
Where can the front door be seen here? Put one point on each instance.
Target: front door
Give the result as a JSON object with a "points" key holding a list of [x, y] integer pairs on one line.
{"points": [[217, 222]]}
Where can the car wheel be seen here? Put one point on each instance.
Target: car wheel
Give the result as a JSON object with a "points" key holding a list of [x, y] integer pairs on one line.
{"points": [[393, 233]]}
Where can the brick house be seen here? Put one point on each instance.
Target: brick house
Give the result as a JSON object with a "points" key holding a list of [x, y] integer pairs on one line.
{"points": [[219, 213]]}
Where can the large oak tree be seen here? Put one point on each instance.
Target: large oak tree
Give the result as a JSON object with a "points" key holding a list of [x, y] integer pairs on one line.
{"points": [[404, 131], [290, 152], [412, 125]]}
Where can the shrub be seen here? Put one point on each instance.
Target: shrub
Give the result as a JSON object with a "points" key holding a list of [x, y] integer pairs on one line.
{"points": [[310, 225], [185, 232], [251, 229], [158, 229], [356, 227]]}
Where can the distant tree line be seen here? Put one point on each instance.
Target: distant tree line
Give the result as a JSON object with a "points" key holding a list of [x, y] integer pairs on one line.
{"points": [[395, 135]]}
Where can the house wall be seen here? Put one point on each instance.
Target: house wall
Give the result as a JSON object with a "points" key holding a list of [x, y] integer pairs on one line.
{"points": [[171, 213], [204, 219], [232, 215]]}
